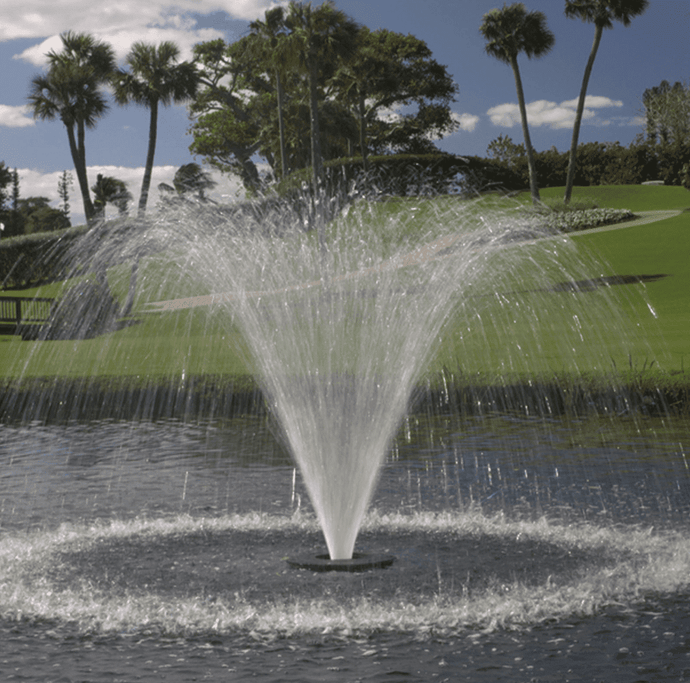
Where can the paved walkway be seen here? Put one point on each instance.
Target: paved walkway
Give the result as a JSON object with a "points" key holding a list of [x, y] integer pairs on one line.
{"points": [[644, 218]]}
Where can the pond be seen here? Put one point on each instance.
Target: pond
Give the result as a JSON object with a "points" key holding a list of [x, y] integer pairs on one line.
{"points": [[526, 548]]}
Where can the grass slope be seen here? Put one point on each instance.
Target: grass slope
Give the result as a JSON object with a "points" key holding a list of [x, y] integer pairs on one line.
{"points": [[633, 197], [185, 343]]}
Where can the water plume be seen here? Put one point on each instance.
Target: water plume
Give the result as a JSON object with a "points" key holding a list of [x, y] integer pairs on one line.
{"points": [[342, 317]]}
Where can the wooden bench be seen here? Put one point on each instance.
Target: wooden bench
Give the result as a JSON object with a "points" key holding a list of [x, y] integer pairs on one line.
{"points": [[24, 315]]}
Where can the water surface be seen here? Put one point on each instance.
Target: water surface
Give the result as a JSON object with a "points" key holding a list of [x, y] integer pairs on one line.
{"points": [[526, 548]]}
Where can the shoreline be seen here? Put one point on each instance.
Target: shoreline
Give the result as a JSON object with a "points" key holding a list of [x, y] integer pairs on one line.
{"points": [[217, 397]]}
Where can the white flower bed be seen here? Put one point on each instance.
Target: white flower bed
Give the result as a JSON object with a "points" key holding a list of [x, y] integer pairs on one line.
{"points": [[572, 221]]}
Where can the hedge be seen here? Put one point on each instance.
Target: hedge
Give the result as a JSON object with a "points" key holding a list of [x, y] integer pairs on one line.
{"points": [[28, 260], [395, 174]]}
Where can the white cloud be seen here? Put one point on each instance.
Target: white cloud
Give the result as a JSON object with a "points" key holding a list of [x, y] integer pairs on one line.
{"points": [[15, 116], [389, 114], [594, 102], [551, 114], [42, 18], [37, 183], [123, 40], [467, 122], [119, 22]]}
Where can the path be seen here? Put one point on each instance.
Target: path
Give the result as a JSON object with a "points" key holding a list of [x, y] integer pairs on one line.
{"points": [[644, 218]]}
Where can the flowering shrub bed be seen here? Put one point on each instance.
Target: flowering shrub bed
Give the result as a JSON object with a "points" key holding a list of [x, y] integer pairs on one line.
{"points": [[572, 221]]}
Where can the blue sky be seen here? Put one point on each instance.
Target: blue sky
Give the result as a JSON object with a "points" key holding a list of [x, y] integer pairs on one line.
{"points": [[653, 48]]}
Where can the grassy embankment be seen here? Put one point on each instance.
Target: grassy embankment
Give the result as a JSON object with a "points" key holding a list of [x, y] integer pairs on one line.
{"points": [[654, 313], [529, 333]]}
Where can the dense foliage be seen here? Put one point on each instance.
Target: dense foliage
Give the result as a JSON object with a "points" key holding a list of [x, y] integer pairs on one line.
{"points": [[599, 163], [32, 259], [667, 127], [246, 92]]}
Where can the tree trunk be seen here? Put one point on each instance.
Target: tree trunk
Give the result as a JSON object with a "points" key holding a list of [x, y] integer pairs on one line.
{"points": [[281, 125], [534, 188], [146, 181], [80, 170], [572, 161], [316, 158], [363, 128]]}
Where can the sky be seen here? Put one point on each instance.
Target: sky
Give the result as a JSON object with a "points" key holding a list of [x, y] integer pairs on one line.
{"points": [[653, 48]]}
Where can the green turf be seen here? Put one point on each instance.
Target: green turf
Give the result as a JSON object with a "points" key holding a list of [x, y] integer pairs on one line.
{"points": [[659, 248], [543, 338], [633, 197]]}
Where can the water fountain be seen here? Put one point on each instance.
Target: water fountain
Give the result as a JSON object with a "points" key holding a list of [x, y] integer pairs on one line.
{"points": [[340, 330], [165, 536]]}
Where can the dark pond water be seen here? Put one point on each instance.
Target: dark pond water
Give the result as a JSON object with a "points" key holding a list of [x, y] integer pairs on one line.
{"points": [[527, 549]]}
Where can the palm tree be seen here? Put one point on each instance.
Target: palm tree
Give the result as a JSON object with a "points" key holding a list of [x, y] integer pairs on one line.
{"points": [[508, 32], [109, 190], [192, 179], [601, 13], [71, 91], [272, 31], [155, 78], [319, 35]]}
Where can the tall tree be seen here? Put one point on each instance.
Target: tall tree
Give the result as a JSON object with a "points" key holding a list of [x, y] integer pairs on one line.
{"points": [[235, 109], [71, 90], [64, 183], [601, 13], [509, 32], [9, 202], [6, 178], [192, 179], [276, 51], [390, 70], [503, 149], [227, 130], [667, 113], [5, 181], [15, 190], [318, 36], [155, 78]]}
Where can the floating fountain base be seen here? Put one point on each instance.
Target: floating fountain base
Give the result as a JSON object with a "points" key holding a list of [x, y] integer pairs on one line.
{"points": [[360, 562]]}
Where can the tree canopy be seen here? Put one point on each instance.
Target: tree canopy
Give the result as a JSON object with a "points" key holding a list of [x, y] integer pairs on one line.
{"points": [[72, 91], [109, 190], [667, 113], [379, 92]]}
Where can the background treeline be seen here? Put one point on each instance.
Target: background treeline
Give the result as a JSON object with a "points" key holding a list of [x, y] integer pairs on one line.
{"points": [[599, 163], [28, 215]]}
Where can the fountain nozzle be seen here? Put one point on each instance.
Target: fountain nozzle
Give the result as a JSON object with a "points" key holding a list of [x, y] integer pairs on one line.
{"points": [[360, 562]]}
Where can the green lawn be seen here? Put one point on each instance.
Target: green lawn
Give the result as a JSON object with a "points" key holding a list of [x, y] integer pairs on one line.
{"points": [[525, 331], [633, 197]]}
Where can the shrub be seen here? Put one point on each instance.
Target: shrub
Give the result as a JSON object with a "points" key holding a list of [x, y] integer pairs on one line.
{"points": [[395, 174], [31, 259]]}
